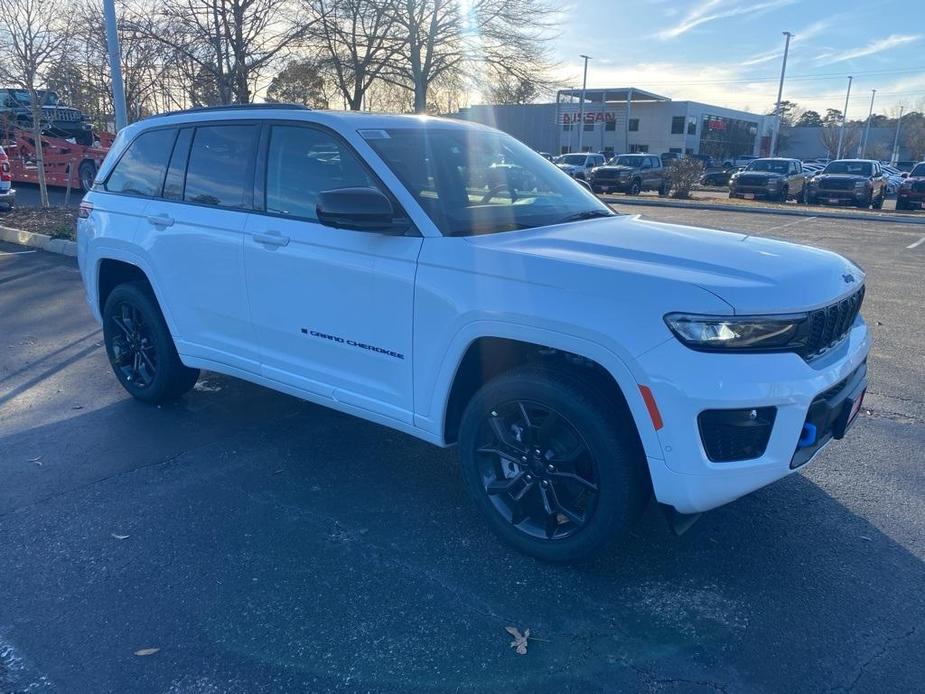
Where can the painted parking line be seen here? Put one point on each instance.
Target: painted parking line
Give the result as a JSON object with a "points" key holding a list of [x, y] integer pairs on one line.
{"points": [[790, 224], [2, 253], [917, 243]]}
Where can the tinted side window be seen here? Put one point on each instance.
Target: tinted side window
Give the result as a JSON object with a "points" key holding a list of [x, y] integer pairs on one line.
{"points": [[140, 171], [221, 164], [302, 162]]}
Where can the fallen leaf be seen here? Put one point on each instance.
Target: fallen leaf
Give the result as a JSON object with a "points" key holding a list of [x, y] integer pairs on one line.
{"points": [[121, 537], [147, 651], [519, 644]]}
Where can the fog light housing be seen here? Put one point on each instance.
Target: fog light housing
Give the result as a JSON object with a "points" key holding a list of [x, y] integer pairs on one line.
{"points": [[732, 435]]}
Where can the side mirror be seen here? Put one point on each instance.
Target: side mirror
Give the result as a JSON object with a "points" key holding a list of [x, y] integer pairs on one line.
{"points": [[904, 174], [360, 209]]}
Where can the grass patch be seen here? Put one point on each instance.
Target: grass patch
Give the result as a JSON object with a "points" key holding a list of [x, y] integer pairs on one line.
{"points": [[57, 222]]}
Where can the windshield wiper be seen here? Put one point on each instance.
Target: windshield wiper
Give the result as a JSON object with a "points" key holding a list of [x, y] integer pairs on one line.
{"points": [[587, 214]]}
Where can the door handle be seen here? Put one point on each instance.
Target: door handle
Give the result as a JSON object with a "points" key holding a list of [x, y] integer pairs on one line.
{"points": [[161, 220], [272, 238]]}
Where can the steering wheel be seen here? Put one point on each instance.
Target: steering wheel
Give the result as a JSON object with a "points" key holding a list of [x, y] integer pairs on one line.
{"points": [[497, 188]]}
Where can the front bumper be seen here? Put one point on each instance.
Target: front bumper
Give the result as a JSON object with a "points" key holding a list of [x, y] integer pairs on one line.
{"points": [[839, 197], [610, 185], [685, 383], [754, 191], [911, 197]]}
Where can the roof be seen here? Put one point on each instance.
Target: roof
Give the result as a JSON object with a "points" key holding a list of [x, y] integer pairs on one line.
{"points": [[358, 119], [612, 95]]}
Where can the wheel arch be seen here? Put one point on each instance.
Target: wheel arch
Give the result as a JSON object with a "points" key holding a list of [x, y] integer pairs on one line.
{"points": [[115, 266], [480, 356]]}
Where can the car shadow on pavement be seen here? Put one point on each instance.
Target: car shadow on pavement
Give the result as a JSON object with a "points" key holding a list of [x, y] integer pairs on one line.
{"points": [[266, 544]]}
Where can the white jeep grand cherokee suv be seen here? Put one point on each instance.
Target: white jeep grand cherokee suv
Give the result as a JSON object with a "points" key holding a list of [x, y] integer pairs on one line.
{"points": [[440, 278]]}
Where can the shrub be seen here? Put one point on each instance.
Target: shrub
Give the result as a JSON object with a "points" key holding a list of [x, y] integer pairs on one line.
{"points": [[682, 175]]}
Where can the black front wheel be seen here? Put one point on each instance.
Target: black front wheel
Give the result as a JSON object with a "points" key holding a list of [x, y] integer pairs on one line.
{"points": [[140, 347], [635, 187], [555, 467]]}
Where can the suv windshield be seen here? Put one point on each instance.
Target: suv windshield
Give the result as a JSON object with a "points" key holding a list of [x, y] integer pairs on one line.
{"points": [[857, 168], [453, 175], [780, 166], [572, 159], [634, 162], [919, 170]]}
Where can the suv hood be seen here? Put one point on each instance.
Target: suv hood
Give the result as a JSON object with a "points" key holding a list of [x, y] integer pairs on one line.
{"points": [[752, 275], [761, 174], [620, 168], [841, 177]]}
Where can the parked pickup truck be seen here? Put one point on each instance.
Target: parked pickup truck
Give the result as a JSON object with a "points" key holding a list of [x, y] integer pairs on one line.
{"points": [[580, 360], [774, 179], [630, 174], [858, 182], [911, 195]]}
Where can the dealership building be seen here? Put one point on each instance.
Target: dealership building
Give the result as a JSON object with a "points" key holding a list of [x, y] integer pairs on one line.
{"points": [[626, 119]]}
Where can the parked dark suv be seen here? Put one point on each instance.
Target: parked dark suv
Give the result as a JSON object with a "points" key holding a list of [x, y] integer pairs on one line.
{"points": [[58, 119], [911, 195], [630, 174], [859, 182], [774, 179]]}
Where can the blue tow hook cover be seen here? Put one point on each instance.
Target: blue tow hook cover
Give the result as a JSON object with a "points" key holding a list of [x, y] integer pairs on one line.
{"points": [[807, 436]]}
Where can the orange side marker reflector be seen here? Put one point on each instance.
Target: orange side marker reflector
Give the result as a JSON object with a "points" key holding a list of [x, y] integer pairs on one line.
{"points": [[652, 407]]}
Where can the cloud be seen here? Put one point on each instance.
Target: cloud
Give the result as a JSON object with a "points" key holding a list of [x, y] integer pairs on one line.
{"points": [[876, 46], [711, 10], [799, 38]]}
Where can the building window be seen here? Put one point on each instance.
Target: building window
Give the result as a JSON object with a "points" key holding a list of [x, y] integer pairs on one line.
{"points": [[634, 149], [674, 150], [634, 125], [611, 125], [589, 127], [564, 149], [691, 126], [567, 127], [677, 125], [723, 137]]}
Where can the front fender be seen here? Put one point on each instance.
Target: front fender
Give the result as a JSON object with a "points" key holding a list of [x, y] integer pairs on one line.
{"points": [[624, 373]]}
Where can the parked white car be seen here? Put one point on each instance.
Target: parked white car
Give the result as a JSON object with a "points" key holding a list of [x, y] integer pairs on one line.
{"points": [[579, 165], [580, 359]]}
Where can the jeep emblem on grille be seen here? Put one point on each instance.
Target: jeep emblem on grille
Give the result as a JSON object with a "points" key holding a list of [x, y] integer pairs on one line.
{"points": [[848, 277]]}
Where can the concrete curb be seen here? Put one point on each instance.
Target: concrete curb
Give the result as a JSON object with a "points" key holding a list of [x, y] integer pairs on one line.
{"points": [[40, 241], [719, 207]]}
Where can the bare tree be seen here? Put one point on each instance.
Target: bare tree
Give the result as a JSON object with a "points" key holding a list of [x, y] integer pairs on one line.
{"points": [[493, 39], [32, 37], [829, 135], [233, 43], [300, 82], [359, 40]]}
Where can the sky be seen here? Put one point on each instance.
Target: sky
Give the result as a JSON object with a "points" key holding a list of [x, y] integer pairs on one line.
{"points": [[728, 52]]}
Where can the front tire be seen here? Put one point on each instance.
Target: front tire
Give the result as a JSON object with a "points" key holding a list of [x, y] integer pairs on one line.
{"points": [[635, 187], [554, 466], [140, 348]]}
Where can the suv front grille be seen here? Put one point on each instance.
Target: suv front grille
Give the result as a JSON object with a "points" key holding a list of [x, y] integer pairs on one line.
{"points": [[754, 181], [838, 184], [918, 186], [828, 326]]}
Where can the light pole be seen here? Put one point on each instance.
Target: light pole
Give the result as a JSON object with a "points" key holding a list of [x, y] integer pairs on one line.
{"points": [[115, 63], [863, 147], [894, 157], [844, 119], [581, 106], [780, 93]]}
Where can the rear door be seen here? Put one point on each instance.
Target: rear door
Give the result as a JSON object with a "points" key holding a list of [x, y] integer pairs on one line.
{"points": [[136, 177], [194, 235], [332, 307]]}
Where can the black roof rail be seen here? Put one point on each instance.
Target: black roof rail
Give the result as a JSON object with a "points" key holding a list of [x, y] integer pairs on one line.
{"points": [[233, 107]]}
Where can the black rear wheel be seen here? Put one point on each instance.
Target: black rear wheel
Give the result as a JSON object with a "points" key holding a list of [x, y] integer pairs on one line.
{"points": [[140, 347], [86, 172], [555, 467]]}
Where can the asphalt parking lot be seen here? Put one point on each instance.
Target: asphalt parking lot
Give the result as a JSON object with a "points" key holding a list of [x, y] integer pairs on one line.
{"points": [[265, 544]]}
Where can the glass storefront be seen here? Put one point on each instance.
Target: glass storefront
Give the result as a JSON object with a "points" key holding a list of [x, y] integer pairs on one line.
{"points": [[723, 137]]}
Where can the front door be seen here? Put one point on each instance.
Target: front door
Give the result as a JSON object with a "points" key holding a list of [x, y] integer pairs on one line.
{"points": [[332, 307]]}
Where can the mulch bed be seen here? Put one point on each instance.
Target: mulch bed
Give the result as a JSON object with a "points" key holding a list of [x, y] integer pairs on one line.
{"points": [[57, 222]]}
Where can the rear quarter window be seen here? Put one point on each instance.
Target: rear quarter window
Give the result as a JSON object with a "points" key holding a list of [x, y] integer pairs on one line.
{"points": [[140, 170]]}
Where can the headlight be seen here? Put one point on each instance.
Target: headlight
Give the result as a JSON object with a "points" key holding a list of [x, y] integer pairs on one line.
{"points": [[740, 333]]}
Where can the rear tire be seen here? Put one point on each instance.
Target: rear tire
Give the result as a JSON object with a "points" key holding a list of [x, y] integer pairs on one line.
{"points": [[570, 452], [140, 347]]}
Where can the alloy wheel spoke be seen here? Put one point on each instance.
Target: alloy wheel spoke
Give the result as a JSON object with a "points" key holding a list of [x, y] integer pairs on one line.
{"points": [[588, 484], [550, 425], [503, 485], [512, 456], [563, 509], [497, 428]]}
